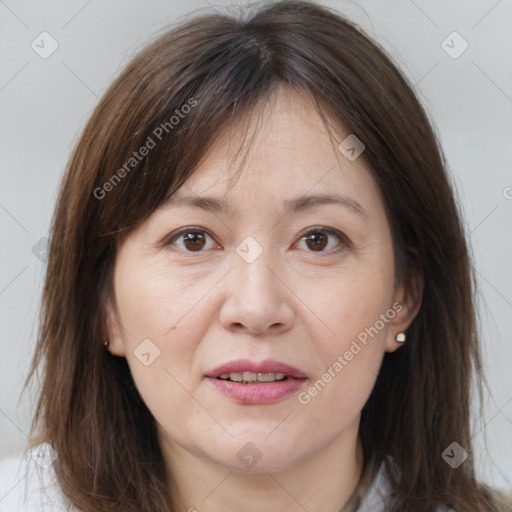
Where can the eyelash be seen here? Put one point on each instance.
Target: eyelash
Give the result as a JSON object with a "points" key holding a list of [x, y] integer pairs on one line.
{"points": [[344, 241]]}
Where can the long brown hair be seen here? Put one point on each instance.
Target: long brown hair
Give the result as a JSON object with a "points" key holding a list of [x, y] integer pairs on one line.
{"points": [[221, 67]]}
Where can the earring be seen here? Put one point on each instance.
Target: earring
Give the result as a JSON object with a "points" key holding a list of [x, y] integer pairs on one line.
{"points": [[400, 337], [105, 344]]}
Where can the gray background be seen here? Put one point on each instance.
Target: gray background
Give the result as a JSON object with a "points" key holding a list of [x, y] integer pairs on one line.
{"points": [[45, 103]]}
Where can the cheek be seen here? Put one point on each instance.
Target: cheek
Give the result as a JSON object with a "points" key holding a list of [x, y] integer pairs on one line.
{"points": [[154, 302], [352, 310], [165, 308], [352, 302], [158, 348]]}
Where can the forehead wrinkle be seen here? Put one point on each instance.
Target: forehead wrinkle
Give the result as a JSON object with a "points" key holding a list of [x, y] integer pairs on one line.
{"points": [[296, 205]]}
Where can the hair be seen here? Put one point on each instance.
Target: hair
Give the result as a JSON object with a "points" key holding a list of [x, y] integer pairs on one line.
{"points": [[224, 67]]}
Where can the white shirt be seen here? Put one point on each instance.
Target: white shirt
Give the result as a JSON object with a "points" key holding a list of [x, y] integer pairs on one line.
{"points": [[28, 484]]}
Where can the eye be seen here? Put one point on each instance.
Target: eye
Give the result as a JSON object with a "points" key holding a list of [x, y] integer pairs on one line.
{"points": [[191, 239], [318, 239], [321, 240]]}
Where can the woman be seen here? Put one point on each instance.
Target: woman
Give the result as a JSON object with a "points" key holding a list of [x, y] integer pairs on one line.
{"points": [[296, 335]]}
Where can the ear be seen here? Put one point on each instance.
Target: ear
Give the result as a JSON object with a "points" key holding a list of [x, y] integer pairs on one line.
{"points": [[406, 303], [113, 328]]}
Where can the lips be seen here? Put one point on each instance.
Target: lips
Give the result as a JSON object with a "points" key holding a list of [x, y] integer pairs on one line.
{"points": [[257, 393], [267, 366]]}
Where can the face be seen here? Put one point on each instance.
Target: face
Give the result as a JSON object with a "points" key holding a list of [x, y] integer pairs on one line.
{"points": [[268, 276]]}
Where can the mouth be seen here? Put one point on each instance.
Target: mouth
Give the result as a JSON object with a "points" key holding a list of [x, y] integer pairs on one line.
{"points": [[253, 378], [249, 372], [248, 382]]}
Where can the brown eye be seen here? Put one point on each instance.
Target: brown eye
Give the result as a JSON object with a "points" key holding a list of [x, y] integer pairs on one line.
{"points": [[194, 241], [318, 240], [191, 240]]}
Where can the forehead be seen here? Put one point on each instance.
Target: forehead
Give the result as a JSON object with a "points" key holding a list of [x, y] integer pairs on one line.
{"points": [[282, 148]]}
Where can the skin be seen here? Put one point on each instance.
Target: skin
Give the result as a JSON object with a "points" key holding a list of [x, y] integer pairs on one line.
{"points": [[295, 303]]}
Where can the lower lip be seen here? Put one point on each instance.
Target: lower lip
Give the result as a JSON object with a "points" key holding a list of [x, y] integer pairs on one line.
{"points": [[264, 393]]}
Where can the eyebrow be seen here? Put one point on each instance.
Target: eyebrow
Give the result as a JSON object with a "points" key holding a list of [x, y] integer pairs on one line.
{"points": [[299, 204]]}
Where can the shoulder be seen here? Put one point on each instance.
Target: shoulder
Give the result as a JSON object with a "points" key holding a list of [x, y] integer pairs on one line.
{"points": [[28, 483], [378, 498]]}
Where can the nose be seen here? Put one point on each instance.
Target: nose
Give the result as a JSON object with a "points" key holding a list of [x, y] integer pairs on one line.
{"points": [[257, 299]]}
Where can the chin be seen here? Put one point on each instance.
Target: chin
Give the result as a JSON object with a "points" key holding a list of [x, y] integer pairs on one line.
{"points": [[256, 453]]}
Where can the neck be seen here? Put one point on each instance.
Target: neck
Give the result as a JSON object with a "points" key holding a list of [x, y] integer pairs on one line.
{"points": [[324, 481]]}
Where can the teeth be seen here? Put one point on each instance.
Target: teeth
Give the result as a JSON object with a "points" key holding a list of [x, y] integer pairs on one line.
{"points": [[269, 377], [248, 377]]}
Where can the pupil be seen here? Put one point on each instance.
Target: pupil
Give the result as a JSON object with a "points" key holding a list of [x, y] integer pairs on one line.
{"points": [[193, 238], [319, 240]]}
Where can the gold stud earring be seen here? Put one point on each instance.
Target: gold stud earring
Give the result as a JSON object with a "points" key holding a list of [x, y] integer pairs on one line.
{"points": [[400, 337]]}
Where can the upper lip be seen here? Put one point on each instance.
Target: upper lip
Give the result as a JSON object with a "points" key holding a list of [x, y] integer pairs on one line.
{"points": [[267, 366]]}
